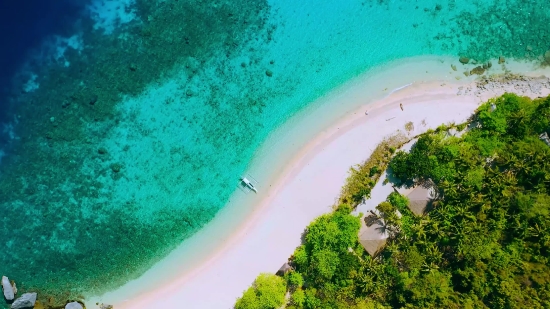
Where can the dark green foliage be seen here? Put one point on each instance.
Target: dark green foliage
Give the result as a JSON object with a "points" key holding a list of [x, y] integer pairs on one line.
{"points": [[373, 171], [486, 244], [421, 161], [327, 241]]}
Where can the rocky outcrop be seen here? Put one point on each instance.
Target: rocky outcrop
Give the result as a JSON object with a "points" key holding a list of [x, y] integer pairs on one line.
{"points": [[26, 301], [496, 85], [479, 70], [9, 292], [464, 60], [74, 305]]}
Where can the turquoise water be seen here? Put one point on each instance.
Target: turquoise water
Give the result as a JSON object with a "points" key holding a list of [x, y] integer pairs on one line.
{"points": [[134, 140]]}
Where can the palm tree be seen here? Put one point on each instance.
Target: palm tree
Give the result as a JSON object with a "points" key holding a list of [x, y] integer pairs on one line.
{"points": [[535, 230]]}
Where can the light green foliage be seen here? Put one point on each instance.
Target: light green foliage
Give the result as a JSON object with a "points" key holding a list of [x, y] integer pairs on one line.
{"points": [[294, 279], [298, 298], [267, 292], [249, 300], [474, 177], [399, 201]]}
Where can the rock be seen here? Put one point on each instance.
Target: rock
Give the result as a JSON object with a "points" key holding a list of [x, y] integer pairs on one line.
{"points": [[101, 150], [74, 305], [489, 64], [467, 73], [501, 60], [479, 70], [26, 301], [116, 167], [529, 48], [105, 306], [547, 55], [93, 99], [9, 293], [39, 305], [269, 73], [464, 60], [453, 67]]}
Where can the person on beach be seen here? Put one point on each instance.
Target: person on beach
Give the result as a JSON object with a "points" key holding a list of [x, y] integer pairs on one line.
{"points": [[366, 112], [401, 105]]}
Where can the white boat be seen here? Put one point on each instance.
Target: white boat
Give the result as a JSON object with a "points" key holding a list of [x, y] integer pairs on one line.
{"points": [[250, 184]]}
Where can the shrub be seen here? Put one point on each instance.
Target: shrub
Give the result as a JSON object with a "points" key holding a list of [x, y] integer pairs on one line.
{"points": [[294, 280], [267, 292], [373, 171], [298, 298]]}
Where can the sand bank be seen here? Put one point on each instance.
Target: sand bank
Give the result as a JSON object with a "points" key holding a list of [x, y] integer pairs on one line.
{"points": [[301, 168]]}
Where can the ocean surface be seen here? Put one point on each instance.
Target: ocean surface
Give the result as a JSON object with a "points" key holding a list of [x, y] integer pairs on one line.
{"points": [[125, 124]]}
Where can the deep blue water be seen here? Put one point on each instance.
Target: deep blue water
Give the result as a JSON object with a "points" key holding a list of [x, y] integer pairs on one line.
{"points": [[23, 27]]}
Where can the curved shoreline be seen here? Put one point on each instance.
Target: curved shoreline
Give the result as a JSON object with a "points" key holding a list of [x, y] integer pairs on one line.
{"points": [[259, 238]]}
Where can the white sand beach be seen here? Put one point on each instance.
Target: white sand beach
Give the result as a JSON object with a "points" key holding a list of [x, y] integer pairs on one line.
{"points": [[304, 181]]}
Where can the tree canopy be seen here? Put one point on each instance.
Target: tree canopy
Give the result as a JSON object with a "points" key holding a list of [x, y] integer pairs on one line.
{"points": [[267, 292]]}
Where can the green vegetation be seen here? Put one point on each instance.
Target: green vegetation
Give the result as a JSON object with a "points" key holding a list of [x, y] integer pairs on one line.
{"points": [[268, 291], [485, 244], [365, 175]]}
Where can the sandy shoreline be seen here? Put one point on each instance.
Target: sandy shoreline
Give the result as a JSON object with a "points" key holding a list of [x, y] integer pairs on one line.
{"points": [[305, 187]]}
